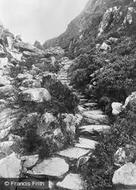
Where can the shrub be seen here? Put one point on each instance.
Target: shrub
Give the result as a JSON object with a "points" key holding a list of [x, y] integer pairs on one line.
{"points": [[84, 65], [118, 79], [63, 100]]}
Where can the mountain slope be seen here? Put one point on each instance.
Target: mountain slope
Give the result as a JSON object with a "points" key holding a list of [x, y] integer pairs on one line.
{"points": [[87, 25]]}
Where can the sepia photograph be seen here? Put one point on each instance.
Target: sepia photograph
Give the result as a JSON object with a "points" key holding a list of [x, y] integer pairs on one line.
{"points": [[67, 94]]}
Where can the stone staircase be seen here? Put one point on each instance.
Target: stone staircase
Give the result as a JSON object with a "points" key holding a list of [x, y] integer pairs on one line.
{"points": [[94, 122]]}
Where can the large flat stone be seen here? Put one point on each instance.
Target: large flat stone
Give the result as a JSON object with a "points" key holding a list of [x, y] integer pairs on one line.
{"points": [[86, 143], [92, 121], [73, 153], [92, 128], [55, 167], [37, 95], [10, 166], [95, 115], [71, 182]]}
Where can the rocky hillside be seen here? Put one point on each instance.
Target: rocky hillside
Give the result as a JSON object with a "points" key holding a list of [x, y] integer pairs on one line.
{"points": [[72, 122], [113, 16]]}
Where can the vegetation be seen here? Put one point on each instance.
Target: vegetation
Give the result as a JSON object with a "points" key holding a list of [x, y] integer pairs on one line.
{"points": [[108, 75], [100, 168], [63, 100]]}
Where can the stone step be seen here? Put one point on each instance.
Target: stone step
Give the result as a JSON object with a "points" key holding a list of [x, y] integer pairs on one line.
{"points": [[53, 167], [95, 115], [71, 182], [73, 152], [91, 121], [93, 128], [90, 105], [83, 100], [86, 143], [97, 120], [94, 112]]}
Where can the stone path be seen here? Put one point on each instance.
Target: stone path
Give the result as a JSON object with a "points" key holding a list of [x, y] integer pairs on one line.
{"points": [[95, 121]]}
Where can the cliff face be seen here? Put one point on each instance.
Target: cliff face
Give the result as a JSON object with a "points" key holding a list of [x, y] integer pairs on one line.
{"points": [[97, 17]]}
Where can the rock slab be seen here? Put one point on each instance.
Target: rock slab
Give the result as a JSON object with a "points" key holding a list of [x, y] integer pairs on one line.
{"points": [[55, 167], [126, 176], [73, 153], [86, 143], [71, 182], [10, 166]]}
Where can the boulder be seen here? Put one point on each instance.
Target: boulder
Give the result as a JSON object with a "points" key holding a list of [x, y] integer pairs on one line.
{"points": [[116, 108], [55, 167], [124, 155], [105, 47], [10, 166], [125, 177], [130, 98], [37, 95], [71, 182]]}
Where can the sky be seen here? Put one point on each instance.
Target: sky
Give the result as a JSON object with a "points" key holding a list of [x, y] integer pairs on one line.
{"points": [[39, 19]]}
